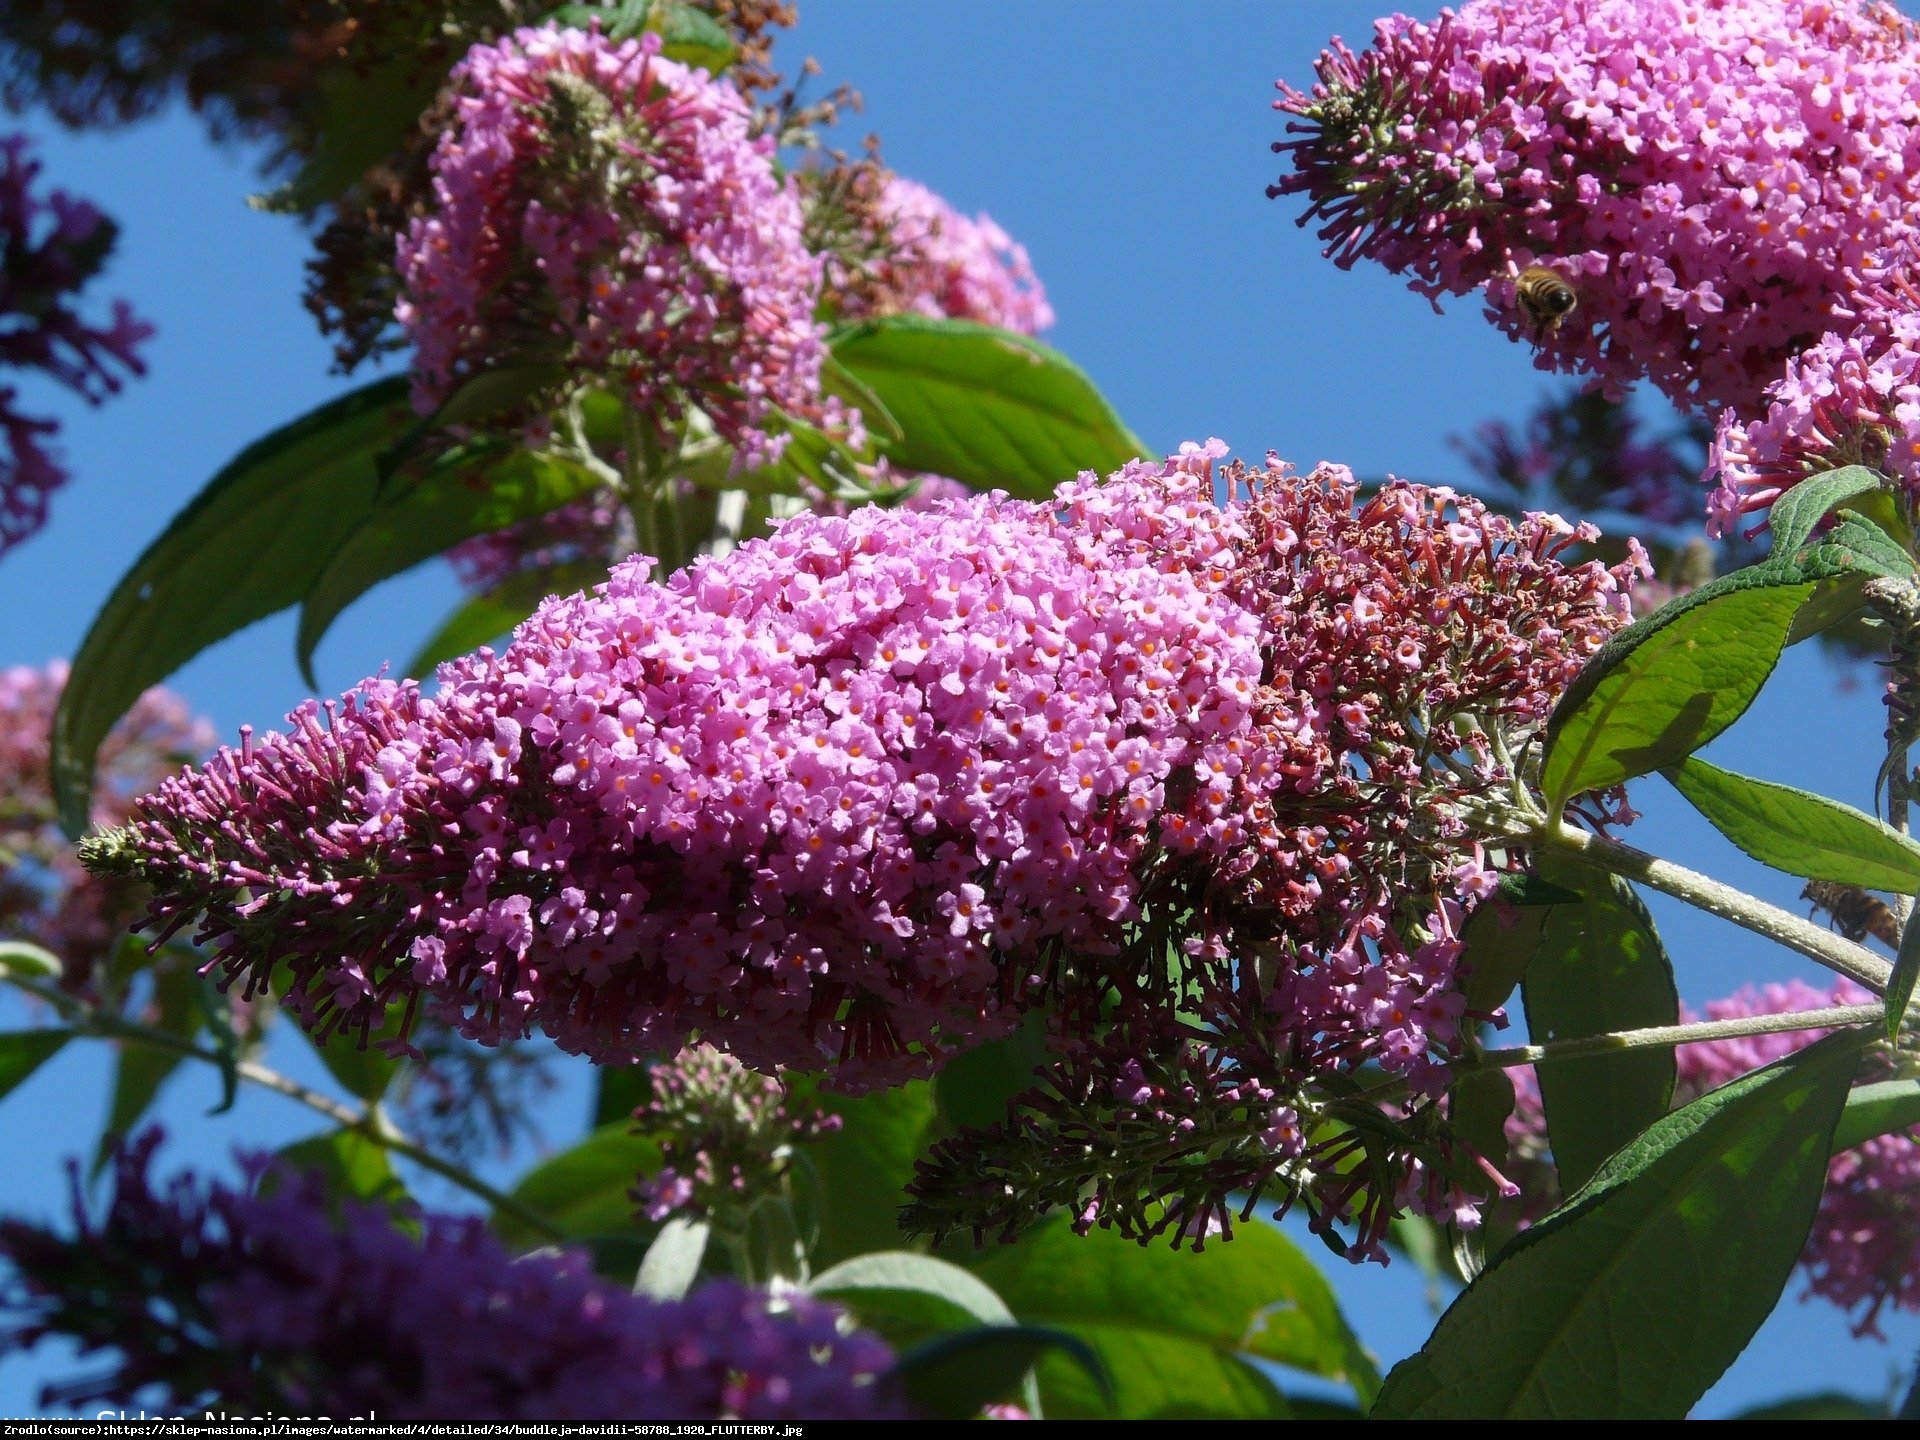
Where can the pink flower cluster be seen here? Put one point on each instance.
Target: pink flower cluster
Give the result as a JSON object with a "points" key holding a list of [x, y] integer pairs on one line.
{"points": [[1864, 1251], [929, 259], [611, 211], [211, 1296], [46, 895], [1703, 173], [1851, 398], [861, 791], [726, 1133], [50, 247]]}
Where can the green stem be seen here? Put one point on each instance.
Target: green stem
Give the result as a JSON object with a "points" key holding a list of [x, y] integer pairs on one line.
{"points": [[1705, 893], [369, 1121], [1663, 1036], [638, 479]]}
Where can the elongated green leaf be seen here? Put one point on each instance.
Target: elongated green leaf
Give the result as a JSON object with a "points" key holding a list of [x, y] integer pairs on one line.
{"points": [[956, 1375], [1666, 685], [365, 113], [1601, 967], [364, 1071], [974, 1088], [1503, 935], [1178, 1330], [987, 407], [31, 961], [250, 544], [140, 1070], [456, 501], [687, 34], [928, 1275], [1906, 969], [352, 1166], [673, 1260], [1827, 1405], [491, 616], [1877, 1109], [865, 1165], [24, 1051], [1872, 548], [619, 1090], [584, 1192], [1799, 832], [1794, 515], [1630, 1300]]}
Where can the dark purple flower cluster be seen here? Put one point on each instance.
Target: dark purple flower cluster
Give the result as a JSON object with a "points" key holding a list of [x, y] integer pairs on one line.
{"points": [[51, 246], [268, 1300]]}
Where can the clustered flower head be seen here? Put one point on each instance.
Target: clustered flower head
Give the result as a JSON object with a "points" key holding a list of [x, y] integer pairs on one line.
{"points": [[725, 1132], [51, 246], [1863, 1253], [921, 256], [606, 209], [1703, 173], [862, 792], [46, 895], [1850, 398], [270, 1300]]}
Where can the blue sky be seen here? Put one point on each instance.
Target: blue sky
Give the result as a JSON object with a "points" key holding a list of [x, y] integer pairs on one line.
{"points": [[1126, 144]]}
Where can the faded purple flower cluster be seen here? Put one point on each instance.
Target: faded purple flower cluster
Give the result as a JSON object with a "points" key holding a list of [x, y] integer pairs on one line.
{"points": [[725, 1133], [46, 895], [1864, 1251], [608, 210], [267, 1300], [863, 791], [51, 246], [929, 259], [1703, 173]]}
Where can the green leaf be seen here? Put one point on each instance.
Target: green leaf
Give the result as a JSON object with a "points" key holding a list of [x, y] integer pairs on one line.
{"points": [[24, 1051], [21, 958], [364, 1071], [1666, 685], [1503, 935], [248, 545], [478, 398], [1477, 1111], [865, 1165], [458, 499], [583, 1192], [905, 1270], [619, 1090], [1630, 1300], [364, 115], [987, 407], [353, 1166], [974, 1089], [673, 1260], [1799, 832], [954, 1376], [687, 34], [1872, 548], [1826, 1405], [1179, 1331], [1796, 514], [140, 1070], [1877, 1109], [491, 615], [1601, 967], [1906, 969]]}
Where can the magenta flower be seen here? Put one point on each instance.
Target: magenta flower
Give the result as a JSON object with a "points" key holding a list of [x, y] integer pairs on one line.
{"points": [[929, 259], [50, 248], [608, 210], [1702, 174], [46, 895], [863, 792], [726, 1134], [210, 1296]]}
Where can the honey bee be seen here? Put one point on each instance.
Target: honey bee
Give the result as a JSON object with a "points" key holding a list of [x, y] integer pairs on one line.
{"points": [[1856, 914], [1546, 298]]}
